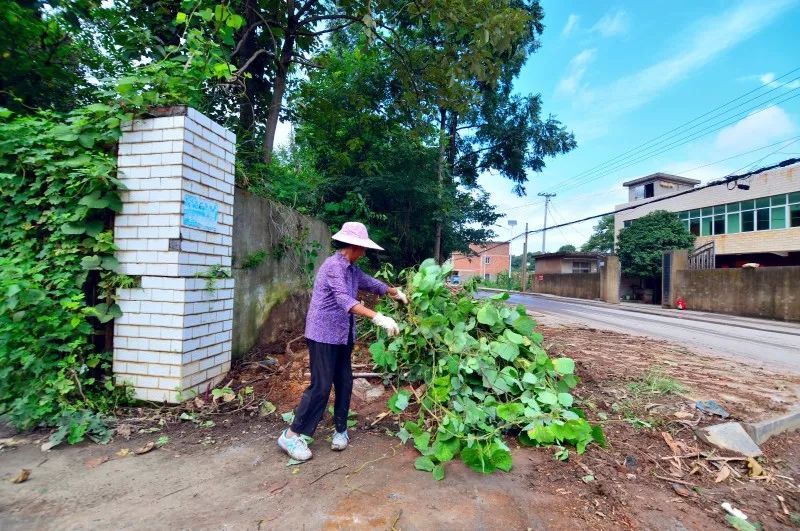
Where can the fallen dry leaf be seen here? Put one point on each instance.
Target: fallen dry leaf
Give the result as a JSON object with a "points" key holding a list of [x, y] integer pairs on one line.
{"points": [[125, 452], [96, 461], [199, 403], [680, 490], [144, 449], [683, 415], [755, 469], [23, 476], [671, 443], [12, 442], [724, 473]]}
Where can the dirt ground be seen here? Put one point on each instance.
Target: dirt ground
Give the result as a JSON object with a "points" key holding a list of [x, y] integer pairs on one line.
{"points": [[221, 469]]}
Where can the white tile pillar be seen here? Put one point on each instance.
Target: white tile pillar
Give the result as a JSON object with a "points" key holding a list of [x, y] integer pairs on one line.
{"points": [[174, 336]]}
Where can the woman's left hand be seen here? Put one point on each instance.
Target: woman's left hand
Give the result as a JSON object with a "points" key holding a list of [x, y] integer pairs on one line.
{"points": [[399, 296]]}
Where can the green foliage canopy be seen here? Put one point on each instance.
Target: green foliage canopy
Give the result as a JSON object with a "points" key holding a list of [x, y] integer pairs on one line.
{"points": [[640, 245]]}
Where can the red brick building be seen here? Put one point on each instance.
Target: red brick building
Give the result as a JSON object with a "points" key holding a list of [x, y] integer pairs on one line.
{"points": [[485, 261]]}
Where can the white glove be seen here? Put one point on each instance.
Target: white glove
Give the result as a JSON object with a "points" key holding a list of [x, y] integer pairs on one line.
{"points": [[400, 296], [387, 323]]}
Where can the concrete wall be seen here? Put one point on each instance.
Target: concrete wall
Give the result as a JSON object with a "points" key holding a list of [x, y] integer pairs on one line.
{"points": [[610, 273], [271, 297], [769, 292], [578, 285]]}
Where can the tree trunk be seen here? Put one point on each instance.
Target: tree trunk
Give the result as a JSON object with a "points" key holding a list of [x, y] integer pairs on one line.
{"points": [[279, 85], [437, 244]]}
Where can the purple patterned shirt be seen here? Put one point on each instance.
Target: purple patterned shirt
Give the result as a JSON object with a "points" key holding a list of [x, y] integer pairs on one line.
{"points": [[335, 291]]}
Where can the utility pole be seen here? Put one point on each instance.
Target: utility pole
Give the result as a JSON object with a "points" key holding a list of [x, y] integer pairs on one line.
{"points": [[524, 283], [511, 224], [546, 204]]}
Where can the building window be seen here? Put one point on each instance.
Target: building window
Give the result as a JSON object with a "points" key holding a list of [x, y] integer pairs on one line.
{"points": [[581, 267], [627, 223], [486, 276], [762, 219], [748, 221], [487, 259], [795, 215], [649, 190]]}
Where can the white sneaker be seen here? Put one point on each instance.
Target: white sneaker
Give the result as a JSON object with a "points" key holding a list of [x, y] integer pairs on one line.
{"points": [[296, 446], [340, 441]]}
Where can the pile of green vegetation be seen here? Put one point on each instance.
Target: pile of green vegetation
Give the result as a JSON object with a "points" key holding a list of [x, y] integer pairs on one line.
{"points": [[486, 374]]}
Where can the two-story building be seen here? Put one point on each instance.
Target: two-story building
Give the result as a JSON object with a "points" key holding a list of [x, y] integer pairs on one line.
{"points": [[758, 221], [485, 260]]}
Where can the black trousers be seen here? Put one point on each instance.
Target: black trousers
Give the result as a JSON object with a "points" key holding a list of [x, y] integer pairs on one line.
{"points": [[330, 365]]}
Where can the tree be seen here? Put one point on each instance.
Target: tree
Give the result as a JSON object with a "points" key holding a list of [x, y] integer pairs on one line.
{"points": [[569, 248], [641, 245], [602, 240], [376, 159]]}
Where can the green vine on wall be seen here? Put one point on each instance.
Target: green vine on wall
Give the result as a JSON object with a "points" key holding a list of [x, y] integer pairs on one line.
{"points": [[59, 191]]}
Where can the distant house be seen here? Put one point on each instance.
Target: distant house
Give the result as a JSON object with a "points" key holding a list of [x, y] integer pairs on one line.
{"points": [[566, 263], [758, 221], [485, 260]]}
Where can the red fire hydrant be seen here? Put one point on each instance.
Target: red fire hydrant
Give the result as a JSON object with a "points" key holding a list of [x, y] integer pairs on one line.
{"points": [[680, 303]]}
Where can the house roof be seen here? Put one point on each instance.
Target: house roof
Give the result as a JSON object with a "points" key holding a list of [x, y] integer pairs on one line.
{"points": [[662, 177], [571, 255]]}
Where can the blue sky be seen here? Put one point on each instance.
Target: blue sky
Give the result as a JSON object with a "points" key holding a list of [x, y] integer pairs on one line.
{"points": [[621, 73]]}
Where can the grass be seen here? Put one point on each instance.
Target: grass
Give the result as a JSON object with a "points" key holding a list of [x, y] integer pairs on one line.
{"points": [[656, 382]]}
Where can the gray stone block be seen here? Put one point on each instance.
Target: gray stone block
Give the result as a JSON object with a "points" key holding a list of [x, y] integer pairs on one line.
{"points": [[763, 430], [730, 436]]}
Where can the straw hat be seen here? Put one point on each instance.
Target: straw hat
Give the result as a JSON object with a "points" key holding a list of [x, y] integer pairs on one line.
{"points": [[355, 233]]}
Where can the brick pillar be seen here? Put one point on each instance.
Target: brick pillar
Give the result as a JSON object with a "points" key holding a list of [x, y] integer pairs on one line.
{"points": [[174, 336]]}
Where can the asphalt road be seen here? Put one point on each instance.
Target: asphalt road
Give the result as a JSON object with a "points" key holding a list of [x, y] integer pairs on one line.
{"points": [[768, 344]]}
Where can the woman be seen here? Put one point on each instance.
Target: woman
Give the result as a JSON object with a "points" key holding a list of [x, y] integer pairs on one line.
{"points": [[330, 334]]}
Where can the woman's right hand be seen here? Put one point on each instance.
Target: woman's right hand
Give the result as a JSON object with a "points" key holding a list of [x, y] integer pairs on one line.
{"points": [[387, 323]]}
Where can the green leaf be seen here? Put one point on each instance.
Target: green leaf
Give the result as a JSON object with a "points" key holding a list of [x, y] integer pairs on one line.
{"points": [[421, 442], [93, 200], [524, 325], [513, 337], [564, 365], [510, 411], [110, 263], [478, 459], [73, 228], [488, 315], [425, 463], [598, 436], [501, 458], [180, 18], [382, 357], [438, 472], [206, 14], [91, 262], [507, 351], [399, 401], [530, 378], [547, 397], [565, 399]]}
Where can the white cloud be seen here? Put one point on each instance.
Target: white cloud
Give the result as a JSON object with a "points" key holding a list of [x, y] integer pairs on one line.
{"points": [[575, 70], [707, 40], [612, 24], [571, 25], [769, 80], [755, 130]]}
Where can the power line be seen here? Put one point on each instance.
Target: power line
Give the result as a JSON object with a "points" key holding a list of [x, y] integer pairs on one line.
{"points": [[644, 144], [632, 152], [737, 155], [671, 146], [719, 182]]}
